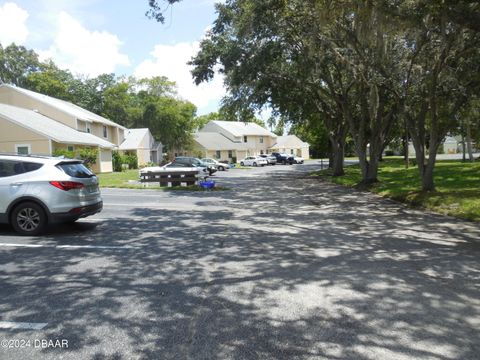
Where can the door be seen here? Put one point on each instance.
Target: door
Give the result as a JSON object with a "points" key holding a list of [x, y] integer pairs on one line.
{"points": [[11, 183]]}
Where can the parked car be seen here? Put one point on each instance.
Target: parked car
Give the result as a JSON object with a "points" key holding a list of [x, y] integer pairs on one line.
{"points": [[254, 161], [272, 160], [184, 161], [298, 160], [36, 191], [283, 158], [218, 165]]}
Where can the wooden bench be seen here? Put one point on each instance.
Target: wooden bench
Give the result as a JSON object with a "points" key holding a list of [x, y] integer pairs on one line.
{"points": [[170, 177]]}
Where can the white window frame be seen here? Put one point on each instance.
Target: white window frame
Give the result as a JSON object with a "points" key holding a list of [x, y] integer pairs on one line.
{"points": [[28, 146], [261, 139], [70, 146]]}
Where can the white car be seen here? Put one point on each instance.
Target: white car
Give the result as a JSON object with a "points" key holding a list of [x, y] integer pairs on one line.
{"points": [[217, 164], [253, 161], [298, 160]]}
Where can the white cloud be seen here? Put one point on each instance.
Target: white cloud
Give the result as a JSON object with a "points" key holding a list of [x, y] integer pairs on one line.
{"points": [[171, 61], [83, 51], [12, 24]]}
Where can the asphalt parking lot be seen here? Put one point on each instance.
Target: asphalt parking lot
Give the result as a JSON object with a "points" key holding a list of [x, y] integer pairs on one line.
{"points": [[278, 267]]}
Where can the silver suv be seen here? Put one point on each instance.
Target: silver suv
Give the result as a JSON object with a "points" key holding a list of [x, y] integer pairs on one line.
{"points": [[36, 191]]}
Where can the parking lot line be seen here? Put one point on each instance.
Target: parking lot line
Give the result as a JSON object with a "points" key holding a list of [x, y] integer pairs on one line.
{"points": [[68, 246], [22, 325]]}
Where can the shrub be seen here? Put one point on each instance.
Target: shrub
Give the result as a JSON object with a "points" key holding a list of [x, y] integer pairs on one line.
{"points": [[117, 161], [88, 155], [131, 160], [65, 153], [389, 153]]}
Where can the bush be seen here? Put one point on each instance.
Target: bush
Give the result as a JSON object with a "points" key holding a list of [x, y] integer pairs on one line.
{"points": [[65, 153], [389, 153], [117, 161], [88, 155], [131, 160]]}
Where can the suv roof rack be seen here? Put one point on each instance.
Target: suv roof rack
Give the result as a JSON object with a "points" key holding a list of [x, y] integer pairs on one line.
{"points": [[25, 155]]}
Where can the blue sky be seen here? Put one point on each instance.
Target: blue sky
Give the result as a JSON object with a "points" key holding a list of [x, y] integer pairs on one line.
{"points": [[96, 36]]}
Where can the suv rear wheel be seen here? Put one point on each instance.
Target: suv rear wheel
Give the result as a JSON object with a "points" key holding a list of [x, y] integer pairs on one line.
{"points": [[29, 218]]}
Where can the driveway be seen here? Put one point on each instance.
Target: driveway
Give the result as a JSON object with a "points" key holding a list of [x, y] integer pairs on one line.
{"points": [[279, 267]]}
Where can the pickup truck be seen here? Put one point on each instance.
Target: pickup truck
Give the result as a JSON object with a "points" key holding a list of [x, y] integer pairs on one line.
{"points": [[284, 158]]}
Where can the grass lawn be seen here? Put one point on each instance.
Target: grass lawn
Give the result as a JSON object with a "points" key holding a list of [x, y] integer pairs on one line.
{"points": [[120, 180], [457, 185]]}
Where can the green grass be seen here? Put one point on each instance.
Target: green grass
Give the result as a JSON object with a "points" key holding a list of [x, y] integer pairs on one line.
{"points": [[457, 186], [120, 180]]}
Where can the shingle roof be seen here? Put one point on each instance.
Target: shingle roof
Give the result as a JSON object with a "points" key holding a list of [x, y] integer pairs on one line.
{"points": [[64, 106], [216, 141], [289, 141], [49, 128], [133, 139], [237, 128]]}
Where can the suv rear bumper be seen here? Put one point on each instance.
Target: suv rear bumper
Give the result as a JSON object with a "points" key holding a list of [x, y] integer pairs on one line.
{"points": [[76, 213]]}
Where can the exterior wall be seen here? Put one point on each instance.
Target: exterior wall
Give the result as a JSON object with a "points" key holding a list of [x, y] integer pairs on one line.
{"points": [[15, 98], [201, 152], [97, 130], [105, 157], [303, 151], [256, 147], [12, 134], [143, 156]]}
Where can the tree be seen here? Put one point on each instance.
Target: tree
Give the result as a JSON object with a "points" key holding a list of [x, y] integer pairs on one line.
{"points": [[16, 63], [156, 10], [442, 75]]}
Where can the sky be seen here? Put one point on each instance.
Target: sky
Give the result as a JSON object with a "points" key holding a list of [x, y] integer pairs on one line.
{"points": [[92, 37]]}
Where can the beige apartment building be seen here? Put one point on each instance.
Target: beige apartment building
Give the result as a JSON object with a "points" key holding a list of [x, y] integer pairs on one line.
{"points": [[232, 140], [89, 129]]}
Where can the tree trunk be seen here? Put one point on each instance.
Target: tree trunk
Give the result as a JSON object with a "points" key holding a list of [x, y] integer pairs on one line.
{"points": [[338, 159], [469, 141], [338, 154], [427, 179]]}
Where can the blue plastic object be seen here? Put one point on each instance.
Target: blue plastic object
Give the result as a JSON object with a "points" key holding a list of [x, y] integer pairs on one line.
{"points": [[208, 184]]}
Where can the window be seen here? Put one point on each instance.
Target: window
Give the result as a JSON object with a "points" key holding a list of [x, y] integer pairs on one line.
{"points": [[75, 169], [105, 132], [261, 139], [23, 149], [291, 151], [261, 152], [12, 168], [245, 139], [230, 154], [218, 154], [70, 148]]}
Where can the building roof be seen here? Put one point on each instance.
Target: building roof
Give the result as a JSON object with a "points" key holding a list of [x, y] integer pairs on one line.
{"points": [[64, 106], [216, 141], [49, 128], [133, 139], [289, 141], [238, 128]]}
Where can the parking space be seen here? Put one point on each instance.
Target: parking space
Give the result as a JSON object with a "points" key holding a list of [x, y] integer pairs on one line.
{"points": [[278, 266]]}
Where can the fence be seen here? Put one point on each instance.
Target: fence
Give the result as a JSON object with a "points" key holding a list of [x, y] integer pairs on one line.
{"points": [[170, 177]]}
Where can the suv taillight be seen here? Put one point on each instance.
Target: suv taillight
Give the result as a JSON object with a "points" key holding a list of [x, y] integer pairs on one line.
{"points": [[67, 185]]}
